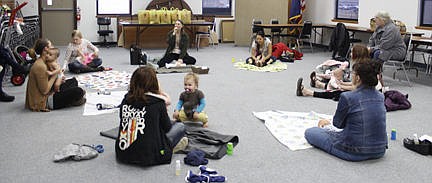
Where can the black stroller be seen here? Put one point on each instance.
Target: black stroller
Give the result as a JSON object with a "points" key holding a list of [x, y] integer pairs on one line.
{"points": [[21, 54]]}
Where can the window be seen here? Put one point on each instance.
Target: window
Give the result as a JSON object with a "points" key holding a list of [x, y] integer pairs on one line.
{"points": [[347, 9], [426, 13], [216, 7]]}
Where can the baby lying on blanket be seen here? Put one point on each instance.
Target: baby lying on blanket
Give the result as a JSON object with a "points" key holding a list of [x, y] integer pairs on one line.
{"points": [[324, 70], [336, 76]]}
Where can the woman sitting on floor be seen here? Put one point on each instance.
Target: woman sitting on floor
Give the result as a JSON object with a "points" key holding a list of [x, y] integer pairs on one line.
{"points": [[359, 54], [82, 56], [261, 54], [146, 134], [362, 116], [41, 94], [178, 42]]}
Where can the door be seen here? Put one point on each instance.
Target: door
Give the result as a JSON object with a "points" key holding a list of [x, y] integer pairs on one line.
{"points": [[57, 20]]}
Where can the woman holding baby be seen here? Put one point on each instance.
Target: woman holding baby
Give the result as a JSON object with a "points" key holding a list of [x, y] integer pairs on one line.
{"points": [[46, 87], [82, 56]]}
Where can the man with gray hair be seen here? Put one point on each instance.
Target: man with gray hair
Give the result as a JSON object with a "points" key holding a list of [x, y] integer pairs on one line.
{"points": [[386, 42]]}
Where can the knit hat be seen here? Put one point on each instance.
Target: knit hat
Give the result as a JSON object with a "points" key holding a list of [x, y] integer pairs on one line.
{"points": [[195, 158]]}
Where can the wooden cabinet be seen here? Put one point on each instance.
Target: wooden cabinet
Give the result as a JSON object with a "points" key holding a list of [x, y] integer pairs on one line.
{"points": [[227, 31]]}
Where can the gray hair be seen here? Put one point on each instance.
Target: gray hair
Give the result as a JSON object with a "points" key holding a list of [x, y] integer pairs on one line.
{"points": [[383, 15]]}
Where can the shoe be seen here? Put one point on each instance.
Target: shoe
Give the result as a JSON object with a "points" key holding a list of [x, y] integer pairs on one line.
{"points": [[6, 98], [80, 102], [181, 145], [423, 147], [194, 178], [299, 87], [312, 79], [207, 171]]}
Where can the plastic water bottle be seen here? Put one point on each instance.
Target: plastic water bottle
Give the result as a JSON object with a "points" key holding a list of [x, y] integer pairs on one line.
{"points": [[230, 148], [177, 168], [393, 134]]}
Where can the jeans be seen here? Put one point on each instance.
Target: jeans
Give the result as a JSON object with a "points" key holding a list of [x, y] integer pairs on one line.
{"points": [[188, 60], [325, 140], [77, 67], [176, 132]]}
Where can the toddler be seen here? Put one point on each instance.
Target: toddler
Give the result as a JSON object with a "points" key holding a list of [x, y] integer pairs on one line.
{"points": [[192, 101], [53, 66]]}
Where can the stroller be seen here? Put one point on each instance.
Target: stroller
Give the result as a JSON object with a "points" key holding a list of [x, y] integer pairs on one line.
{"points": [[21, 54]]}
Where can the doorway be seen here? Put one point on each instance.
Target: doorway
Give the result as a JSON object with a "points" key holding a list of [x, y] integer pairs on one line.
{"points": [[58, 20]]}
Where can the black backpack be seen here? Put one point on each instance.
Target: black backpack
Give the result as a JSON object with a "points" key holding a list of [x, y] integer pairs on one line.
{"points": [[137, 56]]}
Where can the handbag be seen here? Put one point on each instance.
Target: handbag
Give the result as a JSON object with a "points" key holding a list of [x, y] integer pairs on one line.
{"points": [[143, 16], [165, 16], [154, 17], [185, 16]]}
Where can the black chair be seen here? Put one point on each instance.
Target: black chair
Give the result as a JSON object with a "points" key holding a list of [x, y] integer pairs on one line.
{"points": [[275, 32], [305, 34], [104, 21]]}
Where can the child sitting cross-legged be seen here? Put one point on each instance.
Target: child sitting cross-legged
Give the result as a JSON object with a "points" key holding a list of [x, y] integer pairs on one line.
{"points": [[192, 101]]}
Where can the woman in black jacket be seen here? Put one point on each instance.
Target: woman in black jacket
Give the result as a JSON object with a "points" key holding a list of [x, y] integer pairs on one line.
{"points": [[146, 134], [178, 42]]}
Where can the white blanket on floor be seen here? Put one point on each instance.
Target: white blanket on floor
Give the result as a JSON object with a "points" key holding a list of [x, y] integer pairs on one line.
{"points": [[289, 127], [114, 98]]}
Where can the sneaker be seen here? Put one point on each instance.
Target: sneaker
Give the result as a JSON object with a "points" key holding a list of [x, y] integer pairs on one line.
{"points": [[5, 97], [207, 171], [194, 178], [423, 147], [181, 145]]}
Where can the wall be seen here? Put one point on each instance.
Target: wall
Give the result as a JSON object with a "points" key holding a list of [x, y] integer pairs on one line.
{"points": [[264, 10]]}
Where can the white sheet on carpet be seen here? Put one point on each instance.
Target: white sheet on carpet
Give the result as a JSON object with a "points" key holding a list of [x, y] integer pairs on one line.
{"points": [[114, 98], [289, 127]]}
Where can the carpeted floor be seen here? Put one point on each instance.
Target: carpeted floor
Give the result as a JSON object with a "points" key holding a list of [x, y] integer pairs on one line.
{"points": [[30, 139]]}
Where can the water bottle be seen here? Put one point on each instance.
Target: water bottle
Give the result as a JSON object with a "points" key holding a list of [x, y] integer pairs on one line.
{"points": [[177, 168], [230, 148]]}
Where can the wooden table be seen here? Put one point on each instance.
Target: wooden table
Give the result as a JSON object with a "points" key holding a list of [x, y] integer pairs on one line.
{"points": [[140, 28], [416, 41]]}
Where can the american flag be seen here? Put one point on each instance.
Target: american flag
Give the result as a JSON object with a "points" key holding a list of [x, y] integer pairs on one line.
{"points": [[296, 11]]}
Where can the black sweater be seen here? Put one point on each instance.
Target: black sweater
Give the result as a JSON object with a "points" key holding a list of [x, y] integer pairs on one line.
{"points": [[141, 137]]}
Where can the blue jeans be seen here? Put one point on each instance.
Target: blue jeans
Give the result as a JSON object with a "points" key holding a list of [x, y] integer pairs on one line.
{"points": [[77, 67], [325, 140], [176, 132]]}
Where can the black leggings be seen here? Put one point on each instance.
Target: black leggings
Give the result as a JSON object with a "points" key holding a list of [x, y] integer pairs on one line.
{"points": [[328, 95], [69, 94], [168, 58]]}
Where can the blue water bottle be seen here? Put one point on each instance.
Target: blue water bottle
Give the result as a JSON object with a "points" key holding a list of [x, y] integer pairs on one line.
{"points": [[393, 134]]}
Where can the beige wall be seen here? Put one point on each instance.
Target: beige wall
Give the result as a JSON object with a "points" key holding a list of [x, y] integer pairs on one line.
{"points": [[246, 10]]}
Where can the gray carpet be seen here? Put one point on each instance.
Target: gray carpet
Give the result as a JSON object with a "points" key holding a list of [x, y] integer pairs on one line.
{"points": [[30, 139]]}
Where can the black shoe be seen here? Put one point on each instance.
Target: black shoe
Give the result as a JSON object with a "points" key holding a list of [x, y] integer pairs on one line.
{"points": [[312, 79], [299, 90], [423, 147], [6, 98]]}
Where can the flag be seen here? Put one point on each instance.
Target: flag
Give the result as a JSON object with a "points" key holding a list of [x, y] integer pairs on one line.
{"points": [[296, 11]]}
